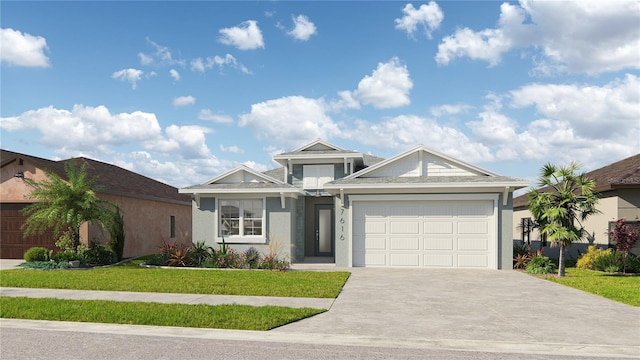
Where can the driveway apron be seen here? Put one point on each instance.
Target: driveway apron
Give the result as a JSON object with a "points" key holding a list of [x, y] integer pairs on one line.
{"points": [[475, 305]]}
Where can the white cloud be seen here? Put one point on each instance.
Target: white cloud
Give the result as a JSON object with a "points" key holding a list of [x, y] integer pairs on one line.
{"points": [[184, 100], [303, 28], [174, 74], [201, 65], [290, 121], [578, 122], [130, 75], [190, 139], [22, 49], [162, 55], [387, 87], [208, 115], [450, 109], [246, 36], [565, 36], [231, 149], [405, 131], [85, 128], [428, 15]]}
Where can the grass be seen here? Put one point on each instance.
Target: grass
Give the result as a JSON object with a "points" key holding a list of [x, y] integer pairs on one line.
{"points": [[131, 277], [625, 289], [238, 317]]}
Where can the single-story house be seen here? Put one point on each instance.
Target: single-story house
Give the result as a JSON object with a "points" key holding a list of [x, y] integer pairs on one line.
{"points": [[619, 187], [417, 209], [153, 212]]}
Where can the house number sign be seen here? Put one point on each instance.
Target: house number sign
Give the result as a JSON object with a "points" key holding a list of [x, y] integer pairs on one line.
{"points": [[341, 224]]}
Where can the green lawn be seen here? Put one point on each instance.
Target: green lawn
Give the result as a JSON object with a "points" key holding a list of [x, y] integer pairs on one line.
{"points": [[625, 289], [238, 317], [131, 277]]}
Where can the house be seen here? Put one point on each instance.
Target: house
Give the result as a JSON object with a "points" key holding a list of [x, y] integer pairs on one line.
{"points": [[153, 212], [619, 187], [417, 209]]}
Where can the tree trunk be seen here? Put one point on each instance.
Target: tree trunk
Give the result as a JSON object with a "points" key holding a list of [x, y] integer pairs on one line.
{"points": [[75, 237], [561, 261]]}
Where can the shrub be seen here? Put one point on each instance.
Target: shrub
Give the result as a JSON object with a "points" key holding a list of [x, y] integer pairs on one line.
{"points": [[158, 260], [97, 254], [586, 260], [116, 233], [200, 252], [45, 265], [609, 261], [66, 256], [251, 258], [272, 262], [37, 254], [540, 265], [633, 263]]}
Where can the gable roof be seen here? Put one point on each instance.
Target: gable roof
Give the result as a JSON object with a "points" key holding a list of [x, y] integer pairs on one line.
{"points": [[620, 174], [421, 149], [242, 179], [319, 150], [448, 173], [114, 180]]}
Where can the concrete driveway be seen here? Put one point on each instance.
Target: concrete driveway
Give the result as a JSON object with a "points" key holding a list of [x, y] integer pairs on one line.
{"points": [[475, 309]]}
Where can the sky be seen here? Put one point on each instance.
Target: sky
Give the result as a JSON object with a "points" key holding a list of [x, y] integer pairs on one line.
{"points": [[182, 92]]}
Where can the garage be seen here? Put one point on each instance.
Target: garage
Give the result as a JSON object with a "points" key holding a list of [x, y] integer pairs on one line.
{"points": [[13, 244], [425, 233]]}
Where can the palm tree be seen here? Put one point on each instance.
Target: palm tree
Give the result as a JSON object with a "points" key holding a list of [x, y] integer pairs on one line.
{"points": [[66, 205], [564, 200]]}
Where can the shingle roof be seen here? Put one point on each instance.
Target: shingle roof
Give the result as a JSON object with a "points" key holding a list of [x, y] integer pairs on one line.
{"points": [[623, 173], [115, 180], [240, 186]]}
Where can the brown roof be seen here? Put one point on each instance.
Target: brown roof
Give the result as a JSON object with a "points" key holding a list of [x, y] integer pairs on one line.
{"points": [[113, 179], [621, 174]]}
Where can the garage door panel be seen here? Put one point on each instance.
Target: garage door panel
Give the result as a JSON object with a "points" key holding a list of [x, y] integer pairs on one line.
{"points": [[404, 227], [474, 261], [375, 227], [438, 227], [408, 259], [405, 243], [473, 244], [473, 227], [425, 233], [375, 259], [438, 244], [438, 260], [375, 243]]}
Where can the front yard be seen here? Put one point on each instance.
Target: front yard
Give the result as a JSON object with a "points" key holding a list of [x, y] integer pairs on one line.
{"points": [[622, 288], [131, 277]]}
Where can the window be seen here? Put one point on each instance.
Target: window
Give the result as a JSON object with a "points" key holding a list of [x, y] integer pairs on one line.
{"points": [[315, 176], [241, 217], [172, 226]]}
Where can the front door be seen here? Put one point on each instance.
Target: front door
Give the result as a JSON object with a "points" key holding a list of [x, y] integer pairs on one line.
{"points": [[324, 230]]}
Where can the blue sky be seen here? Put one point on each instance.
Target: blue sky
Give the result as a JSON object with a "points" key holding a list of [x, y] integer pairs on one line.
{"points": [[184, 91]]}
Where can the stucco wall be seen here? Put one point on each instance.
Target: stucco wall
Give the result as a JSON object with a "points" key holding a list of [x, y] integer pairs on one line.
{"points": [[15, 189], [505, 232], [280, 226], [147, 224], [343, 229]]}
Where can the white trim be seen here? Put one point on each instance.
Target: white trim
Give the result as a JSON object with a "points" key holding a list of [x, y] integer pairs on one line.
{"points": [[292, 192], [240, 239], [448, 185], [316, 142], [427, 197], [422, 197], [282, 200], [420, 148], [264, 177], [505, 196]]}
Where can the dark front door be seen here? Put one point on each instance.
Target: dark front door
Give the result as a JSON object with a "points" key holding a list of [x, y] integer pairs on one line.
{"points": [[324, 230]]}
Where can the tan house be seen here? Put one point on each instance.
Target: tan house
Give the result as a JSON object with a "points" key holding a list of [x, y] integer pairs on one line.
{"points": [[619, 188], [153, 212]]}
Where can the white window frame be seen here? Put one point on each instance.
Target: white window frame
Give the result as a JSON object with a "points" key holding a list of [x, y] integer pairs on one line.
{"points": [[315, 176], [241, 238]]}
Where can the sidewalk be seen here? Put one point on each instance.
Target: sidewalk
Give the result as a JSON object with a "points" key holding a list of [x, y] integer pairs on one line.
{"points": [[167, 298]]}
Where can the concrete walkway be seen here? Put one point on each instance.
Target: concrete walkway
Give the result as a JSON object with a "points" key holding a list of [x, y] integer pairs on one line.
{"points": [[502, 311]]}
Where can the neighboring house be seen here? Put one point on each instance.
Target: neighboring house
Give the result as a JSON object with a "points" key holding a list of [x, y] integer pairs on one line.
{"points": [[417, 209], [619, 188], [153, 212]]}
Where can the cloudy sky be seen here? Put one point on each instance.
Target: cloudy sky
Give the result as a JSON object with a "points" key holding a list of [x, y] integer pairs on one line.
{"points": [[184, 91]]}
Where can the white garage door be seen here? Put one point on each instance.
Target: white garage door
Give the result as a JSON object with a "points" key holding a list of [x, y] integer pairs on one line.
{"points": [[449, 234]]}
